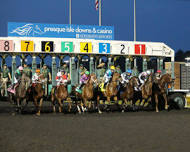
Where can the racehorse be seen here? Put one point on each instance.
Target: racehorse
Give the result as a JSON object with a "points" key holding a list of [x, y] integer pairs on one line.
{"points": [[160, 88], [128, 93], [87, 94], [110, 91], [59, 94], [146, 90], [21, 91], [88, 90], [36, 93]]}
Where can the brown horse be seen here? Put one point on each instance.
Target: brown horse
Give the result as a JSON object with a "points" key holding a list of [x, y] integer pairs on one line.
{"points": [[146, 90], [36, 93], [21, 91], [88, 90], [111, 90], [160, 88], [87, 94], [59, 94], [128, 93]]}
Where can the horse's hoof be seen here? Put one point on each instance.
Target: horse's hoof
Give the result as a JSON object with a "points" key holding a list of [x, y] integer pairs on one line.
{"points": [[38, 114], [99, 112], [13, 114], [157, 111], [123, 111], [166, 107]]}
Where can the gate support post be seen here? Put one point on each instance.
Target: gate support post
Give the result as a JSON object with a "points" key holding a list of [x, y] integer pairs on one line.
{"points": [[54, 71], [13, 67], [161, 65], [144, 64], [127, 63], [135, 70], [73, 71], [158, 63], [109, 62], [34, 65], [92, 70]]}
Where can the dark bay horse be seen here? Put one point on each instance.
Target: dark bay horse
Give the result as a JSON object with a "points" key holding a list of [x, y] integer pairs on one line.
{"points": [[36, 93], [160, 89], [128, 93], [59, 94], [110, 91]]}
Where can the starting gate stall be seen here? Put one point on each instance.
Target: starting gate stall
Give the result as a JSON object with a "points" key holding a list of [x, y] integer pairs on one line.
{"points": [[76, 49]]}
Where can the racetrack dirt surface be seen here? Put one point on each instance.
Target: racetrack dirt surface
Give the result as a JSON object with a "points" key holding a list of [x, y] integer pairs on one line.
{"points": [[114, 132]]}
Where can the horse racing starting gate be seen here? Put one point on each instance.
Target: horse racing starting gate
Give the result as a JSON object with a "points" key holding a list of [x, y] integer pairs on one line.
{"points": [[54, 50]]}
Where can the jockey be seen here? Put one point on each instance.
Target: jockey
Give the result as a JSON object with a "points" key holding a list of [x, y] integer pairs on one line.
{"points": [[108, 75], [17, 77], [82, 69], [158, 74], [83, 80], [18, 74], [143, 76], [126, 76], [61, 77], [35, 77]]}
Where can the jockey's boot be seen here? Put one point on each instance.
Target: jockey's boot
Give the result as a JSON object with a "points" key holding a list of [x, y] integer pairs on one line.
{"points": [[105, 84]]}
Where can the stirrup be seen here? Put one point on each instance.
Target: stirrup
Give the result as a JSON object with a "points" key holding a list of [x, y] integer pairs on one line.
{"points": [[78, 90]]}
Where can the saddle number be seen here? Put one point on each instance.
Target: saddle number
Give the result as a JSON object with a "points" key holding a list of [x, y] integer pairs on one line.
{"points": [[6, 45], [140, 49], [27, 46], [86, 47]]}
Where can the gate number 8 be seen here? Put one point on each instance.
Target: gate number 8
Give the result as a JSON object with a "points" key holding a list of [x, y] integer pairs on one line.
{"points": [[6, 47]]}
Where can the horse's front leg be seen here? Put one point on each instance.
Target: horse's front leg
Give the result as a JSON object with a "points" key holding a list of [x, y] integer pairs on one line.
{"points": [[60, 105], [53, 103], [98, 104], [156, 100], [36, 104], [124, 104], [18, 105], [85, 105], [166, 101], [39, 107]]}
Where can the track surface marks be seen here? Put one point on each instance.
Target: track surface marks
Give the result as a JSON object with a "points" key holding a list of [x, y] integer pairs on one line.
{"points": [[113, 132]]}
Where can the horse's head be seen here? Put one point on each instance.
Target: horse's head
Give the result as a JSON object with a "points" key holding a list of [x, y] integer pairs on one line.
{"points": [[134, 81], [116, 77], [150, 78], [166, 79], [41, 78]]}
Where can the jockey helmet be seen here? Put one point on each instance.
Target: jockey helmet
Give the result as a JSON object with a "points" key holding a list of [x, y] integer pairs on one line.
{"points": [[81, 65], [148, 72], [37, 70], [112, 67], [20, 68], [59, 74], [159, 71], [5, 65], [87, 72], [129, 71]]}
